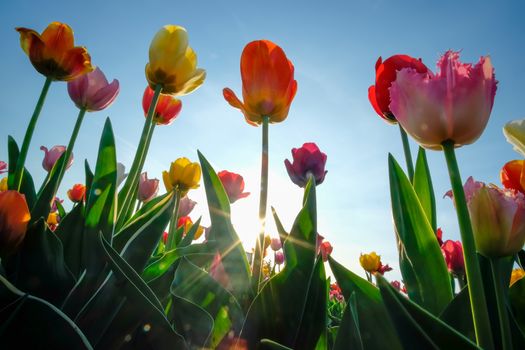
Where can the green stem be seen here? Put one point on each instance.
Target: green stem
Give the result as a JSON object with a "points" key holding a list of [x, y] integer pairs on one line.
{"points": [[263, 199], [476, 290], [408, 154], [29, 135], [506, 338], [126, 194], [71, 145], [172, 242]]}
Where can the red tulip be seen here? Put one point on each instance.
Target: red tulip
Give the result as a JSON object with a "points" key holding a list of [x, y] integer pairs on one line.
{"points": [[379, 94], [326, 250], [453, 254], [306, 160], [77, 193], [233, 185], [167, 109]]}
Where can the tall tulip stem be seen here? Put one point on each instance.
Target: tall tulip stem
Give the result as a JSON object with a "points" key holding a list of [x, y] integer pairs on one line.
{"points": [[408, 154], [127, 194], [71, 145], [258, 258], [504, 326], [476, 290], [29, 135], [171, 243]]}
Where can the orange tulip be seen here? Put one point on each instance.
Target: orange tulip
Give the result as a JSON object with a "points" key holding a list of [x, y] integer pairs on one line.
{"points": [[268, 84], [14, 217], [53, 53], [512, 175]]}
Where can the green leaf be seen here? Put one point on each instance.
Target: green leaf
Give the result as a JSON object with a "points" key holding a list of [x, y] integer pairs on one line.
{"points": [[375, 327], [191, 321], [517, 302], [277, 311], [89, 178], [267, 344], [417, 239], [38, 266], [458, 315], [28, 322], [283, 235], [229, 245], [348, 335], [424, 189], [418, 328], [27, 187], [125, 305], [70, 232]]}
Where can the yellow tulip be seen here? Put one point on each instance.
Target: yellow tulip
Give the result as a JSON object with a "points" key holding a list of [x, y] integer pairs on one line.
{"points": [[3, 184], [516, 275], [182, 176], [370, 262], [172, 63], [52, 219]]}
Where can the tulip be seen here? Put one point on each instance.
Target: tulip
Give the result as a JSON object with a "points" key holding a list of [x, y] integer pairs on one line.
{"points": [[396, 285], [92, 91], [3, 184], [279, 258], [453, 254], [51, 156], [516, 275], [167, 109], [53, 53], [14, 218], [336, 293], [182, 176], [512, 175], [165, 237], [326, 249], [55, 202], [77, 193], [186, 223], [148, 188], [498, 218], [439, 236], [52, 220], [268, 84], [453, 105], [186, 205], [172, 63], [370, 262], [3, 167], [306, 160], [383, 268], [233, 185], [514, 131], [379, 94], [275, 244]]}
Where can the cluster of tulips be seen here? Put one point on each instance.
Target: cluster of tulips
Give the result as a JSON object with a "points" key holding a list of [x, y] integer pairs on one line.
{"points": [[127, 268]]}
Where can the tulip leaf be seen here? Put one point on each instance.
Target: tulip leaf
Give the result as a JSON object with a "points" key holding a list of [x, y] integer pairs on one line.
{"points": [[280, 228], [375, 327], [195, 285], [70, 232], [147, 231], [424, 189], [458, 314], [267, 344], [28, 322], [125, 305], [89, 178], [517, 302], [418, 328], [348, 335], [230, 247], [417, 240], [191, 321], [38, 266], [277, 311], [27, 187], [189, 237]]}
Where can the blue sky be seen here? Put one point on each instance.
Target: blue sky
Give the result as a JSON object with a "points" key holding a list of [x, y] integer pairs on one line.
{"points": [[333, 46]]}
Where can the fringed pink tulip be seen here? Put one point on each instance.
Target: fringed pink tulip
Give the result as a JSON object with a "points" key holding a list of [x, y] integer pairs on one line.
{"points": [[233, 185], [51, 156], [167, 109], [148, 188], [92, 91], [452, 105], [498, 218], [453, 254], [306, 160]]}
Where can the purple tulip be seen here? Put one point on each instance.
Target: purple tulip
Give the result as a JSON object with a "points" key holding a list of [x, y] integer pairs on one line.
{"points": [[51, 156], [275, 244], [92, 91], [148, 188], [306, 160]]}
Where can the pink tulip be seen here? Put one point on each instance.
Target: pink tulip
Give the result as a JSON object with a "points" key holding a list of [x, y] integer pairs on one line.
{"points": [[148, 188], [92, 91], [307, 159], [3, 167], [497, 216], [186, 205], [326, 250], [275, 244], [454, 104], [279, 258], [453, 254], [51, 156], [233, 185]]}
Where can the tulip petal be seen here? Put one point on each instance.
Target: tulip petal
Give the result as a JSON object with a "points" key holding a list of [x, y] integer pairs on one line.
{"points": [[58, 38], [514, 131], [104, 97]]}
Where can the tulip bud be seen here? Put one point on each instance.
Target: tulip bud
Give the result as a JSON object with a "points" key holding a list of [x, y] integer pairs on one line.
{"points": [[148, 188], [183, 176], [307, 160], [370, 262], [453, 254], [233, 185], [167, 109], [279, 258], [51, 156], [14, 217], [275, 244], [77, 193], [326, 250]]}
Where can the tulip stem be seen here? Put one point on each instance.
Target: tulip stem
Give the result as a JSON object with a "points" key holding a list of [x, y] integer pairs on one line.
{"points": [[504, 326], [408, 154], [171, 243], [29, 135], [259, 247], [476, 290], [126, 195]]}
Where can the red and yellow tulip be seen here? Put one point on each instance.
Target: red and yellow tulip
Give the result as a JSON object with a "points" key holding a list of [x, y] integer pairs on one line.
{"points": [[14, 217]]}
